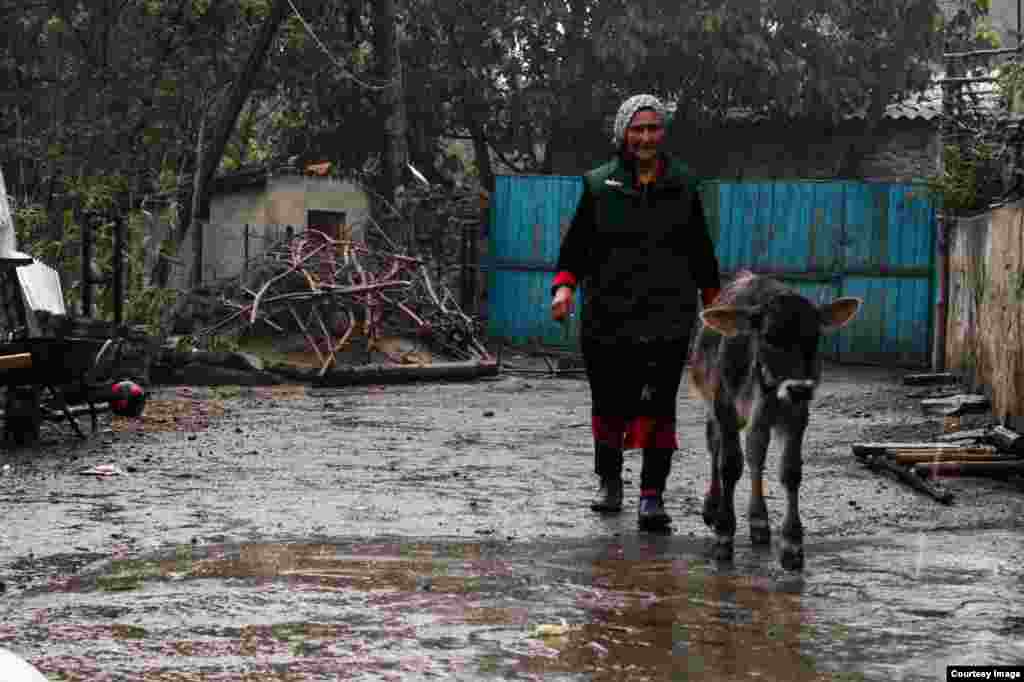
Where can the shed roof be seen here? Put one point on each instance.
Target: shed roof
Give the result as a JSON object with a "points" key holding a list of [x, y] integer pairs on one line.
{"points": [[257, 175]]}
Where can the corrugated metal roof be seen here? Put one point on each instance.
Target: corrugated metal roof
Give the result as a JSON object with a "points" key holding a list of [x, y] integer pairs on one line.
{"points": [[924, 106]]}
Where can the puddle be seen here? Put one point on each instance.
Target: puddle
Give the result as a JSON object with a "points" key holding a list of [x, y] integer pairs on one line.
{"points": [[637, 608]]}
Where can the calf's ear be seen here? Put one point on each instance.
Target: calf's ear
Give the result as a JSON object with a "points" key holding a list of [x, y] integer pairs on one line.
{"points": [[731, 320], [838, 313]]}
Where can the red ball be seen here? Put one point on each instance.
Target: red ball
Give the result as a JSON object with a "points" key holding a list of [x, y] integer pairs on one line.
{"points": [[130, 399]]}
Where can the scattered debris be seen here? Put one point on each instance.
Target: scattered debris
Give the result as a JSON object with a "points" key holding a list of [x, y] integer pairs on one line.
{"points": [[1004, 439], [1007, 440], [552, 629], [994, 452], [103, 470]]}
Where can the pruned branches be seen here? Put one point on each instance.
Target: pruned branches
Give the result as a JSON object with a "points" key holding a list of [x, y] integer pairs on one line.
{"points": [[331, 290]]}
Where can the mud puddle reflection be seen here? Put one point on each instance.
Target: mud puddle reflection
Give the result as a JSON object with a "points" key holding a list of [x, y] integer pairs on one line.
{"points": [[637, 608]]}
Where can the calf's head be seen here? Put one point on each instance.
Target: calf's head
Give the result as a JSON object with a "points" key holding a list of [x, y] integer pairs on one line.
{"points": [[784, 333]]}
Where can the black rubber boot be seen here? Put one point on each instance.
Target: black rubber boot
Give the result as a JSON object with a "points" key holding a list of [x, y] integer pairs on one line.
{"points": [[651, 514], [608, 467]]}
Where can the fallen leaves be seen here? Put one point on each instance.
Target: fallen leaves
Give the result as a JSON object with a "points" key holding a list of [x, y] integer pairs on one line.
{"points": [[171, 415]]}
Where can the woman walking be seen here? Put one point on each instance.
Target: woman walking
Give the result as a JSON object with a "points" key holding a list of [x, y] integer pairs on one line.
{"points": [[640, 246]]}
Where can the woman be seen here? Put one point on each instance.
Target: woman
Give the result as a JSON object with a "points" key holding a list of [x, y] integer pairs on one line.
{"points": [[641, 246]]}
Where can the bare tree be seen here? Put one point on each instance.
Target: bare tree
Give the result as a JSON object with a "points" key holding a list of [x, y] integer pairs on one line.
{"points": [[210, 153], [392, 98]]}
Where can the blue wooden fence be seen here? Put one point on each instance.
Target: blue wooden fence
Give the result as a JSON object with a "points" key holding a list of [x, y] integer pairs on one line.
{"points": [[827, 239]]}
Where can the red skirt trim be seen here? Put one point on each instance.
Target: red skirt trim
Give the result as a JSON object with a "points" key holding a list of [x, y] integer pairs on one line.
{"points": [[636, 433]]}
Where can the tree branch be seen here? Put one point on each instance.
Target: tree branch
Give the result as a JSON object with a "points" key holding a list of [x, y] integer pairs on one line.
{"points": [[504, 159]]}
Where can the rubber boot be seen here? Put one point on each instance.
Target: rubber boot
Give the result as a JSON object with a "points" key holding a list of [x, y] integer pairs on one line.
{"points": [[608, 467], [651, 514]]}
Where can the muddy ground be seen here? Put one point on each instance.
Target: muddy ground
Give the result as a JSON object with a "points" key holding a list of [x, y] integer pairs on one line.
{"points": [[501, 469]]}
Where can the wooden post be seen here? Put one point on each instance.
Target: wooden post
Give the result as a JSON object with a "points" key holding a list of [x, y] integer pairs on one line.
{"points": [[198, 228], [465, 268], [119, 269], [87, 225], [942, 296]]}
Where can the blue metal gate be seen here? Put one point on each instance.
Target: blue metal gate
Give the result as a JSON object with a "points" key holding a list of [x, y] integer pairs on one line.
{"points": [[827, 239]]}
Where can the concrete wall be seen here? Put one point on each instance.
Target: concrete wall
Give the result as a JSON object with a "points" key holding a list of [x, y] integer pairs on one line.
{"points": [[284, 201]]}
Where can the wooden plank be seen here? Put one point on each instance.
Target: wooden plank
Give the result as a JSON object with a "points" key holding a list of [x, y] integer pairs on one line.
{"points": [[987, 469], [980, 454], [930, 379], [977, 435], [956, 405], [16, 361], [882, 448], [910, 477]]}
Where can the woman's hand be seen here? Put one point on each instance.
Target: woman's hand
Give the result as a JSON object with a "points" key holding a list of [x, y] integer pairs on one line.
{"points": [[562, 303]]}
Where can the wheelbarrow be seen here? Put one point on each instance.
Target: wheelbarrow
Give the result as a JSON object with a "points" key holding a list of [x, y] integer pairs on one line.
{"points": [[69, 370]]}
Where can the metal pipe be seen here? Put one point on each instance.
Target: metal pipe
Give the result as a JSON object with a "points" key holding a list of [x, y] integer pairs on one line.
{"points": [[981, 53]]}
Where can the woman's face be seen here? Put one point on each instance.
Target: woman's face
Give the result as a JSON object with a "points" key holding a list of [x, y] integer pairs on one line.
{"points": [[644, 135]]}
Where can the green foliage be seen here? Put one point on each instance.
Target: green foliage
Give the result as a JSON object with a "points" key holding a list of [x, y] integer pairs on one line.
{"points": [[111, 99], [185, 344], [216, 343], [964, 173], [143, 304], [1010, 83], [986, 36]]}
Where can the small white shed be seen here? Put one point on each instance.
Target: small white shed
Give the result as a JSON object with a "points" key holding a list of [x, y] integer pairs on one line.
{"points": [[252, 209]]}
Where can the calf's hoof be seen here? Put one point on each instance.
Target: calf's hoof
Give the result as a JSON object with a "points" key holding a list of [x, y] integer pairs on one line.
{"points": [[792, 557], [710, 511], [760, 533]]}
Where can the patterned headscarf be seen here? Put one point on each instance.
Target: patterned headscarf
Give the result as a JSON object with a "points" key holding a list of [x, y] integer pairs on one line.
{"points": [[630, 107]]}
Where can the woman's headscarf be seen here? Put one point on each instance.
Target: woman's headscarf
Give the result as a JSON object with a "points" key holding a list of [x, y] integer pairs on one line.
{"points": [[628, 109]]}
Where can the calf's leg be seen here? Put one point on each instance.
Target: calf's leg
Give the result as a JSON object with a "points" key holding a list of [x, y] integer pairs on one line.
{"points": [[790, 475], [757, 512], [730, 465], [712, 498]]}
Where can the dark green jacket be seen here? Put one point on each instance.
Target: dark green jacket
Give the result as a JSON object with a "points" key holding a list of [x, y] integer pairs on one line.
{"points": [[640, 255]]}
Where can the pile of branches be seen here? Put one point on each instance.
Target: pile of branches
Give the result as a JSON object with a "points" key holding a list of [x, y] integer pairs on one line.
{"points": [[332, 290]]}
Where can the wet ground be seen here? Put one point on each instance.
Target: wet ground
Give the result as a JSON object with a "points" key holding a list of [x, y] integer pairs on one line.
{"points": [[441, 531]]}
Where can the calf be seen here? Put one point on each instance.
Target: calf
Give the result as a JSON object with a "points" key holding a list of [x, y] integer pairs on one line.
{"points": [[756, 365]]}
